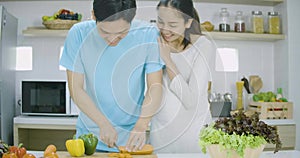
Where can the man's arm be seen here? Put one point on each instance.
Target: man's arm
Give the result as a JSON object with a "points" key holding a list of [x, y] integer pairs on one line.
{"points": [[150, 106], [76, 86]]}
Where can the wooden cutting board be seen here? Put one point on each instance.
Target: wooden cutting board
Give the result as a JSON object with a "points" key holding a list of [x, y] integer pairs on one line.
{"points": [[64, 154]]}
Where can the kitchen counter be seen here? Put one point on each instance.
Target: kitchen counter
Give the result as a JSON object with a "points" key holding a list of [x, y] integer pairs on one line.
{"points": [[265, 154]]}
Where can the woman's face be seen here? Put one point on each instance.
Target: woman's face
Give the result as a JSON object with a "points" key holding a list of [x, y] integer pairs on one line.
{"points": [[171, 23]]}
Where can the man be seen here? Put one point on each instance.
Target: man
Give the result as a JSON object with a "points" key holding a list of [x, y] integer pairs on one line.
{"points": [[108, 61]]}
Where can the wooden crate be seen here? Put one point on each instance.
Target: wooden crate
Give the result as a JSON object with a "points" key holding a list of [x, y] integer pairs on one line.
{"points": [[272, 110]]}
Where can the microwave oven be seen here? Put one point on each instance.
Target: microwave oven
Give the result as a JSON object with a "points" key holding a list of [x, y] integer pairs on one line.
{"points": [[47, 98]]}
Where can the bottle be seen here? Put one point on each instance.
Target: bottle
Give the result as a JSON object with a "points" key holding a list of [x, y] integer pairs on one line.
{"points": [[224, 25], [239, 100], [257, 22], [279, 94], [273, 22], [239, 24]]}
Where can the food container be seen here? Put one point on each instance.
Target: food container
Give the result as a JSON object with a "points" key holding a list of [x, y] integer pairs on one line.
{"points": [[273, 23], [272, 110], [59, 24], [257, 21]]}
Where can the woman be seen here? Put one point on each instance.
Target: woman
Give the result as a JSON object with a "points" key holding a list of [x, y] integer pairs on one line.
{"points": [[185, 51]]}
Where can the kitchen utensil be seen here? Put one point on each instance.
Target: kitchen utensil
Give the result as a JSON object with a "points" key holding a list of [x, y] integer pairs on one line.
{"points": [[246, 84], [239, 100], [209, 96], [255, 83]]}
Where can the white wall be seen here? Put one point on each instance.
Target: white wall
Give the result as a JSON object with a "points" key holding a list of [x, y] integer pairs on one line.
{"points": [[294, 56], [255, 58]]}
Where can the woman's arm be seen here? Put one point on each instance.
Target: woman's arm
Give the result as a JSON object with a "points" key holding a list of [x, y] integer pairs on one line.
{"points": [[76, 86], [150, 106]]}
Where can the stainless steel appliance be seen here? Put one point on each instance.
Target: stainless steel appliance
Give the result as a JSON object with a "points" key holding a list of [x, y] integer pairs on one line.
{"points": [[47, 97], [8, 43]]}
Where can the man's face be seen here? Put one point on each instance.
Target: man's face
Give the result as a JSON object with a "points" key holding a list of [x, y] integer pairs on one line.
{"points": [[113, 31]]}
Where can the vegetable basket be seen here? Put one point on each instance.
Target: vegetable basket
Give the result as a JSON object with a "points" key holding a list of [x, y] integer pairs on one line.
{"points": [[59, 24], [216, 151]]}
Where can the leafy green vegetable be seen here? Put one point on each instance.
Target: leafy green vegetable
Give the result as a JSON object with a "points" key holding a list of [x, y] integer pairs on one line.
{"points": [[210, 135], [239, 132]]}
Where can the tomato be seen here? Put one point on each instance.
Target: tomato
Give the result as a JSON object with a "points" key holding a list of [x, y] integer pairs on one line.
{"points": [[28, 156], [9, 155]]}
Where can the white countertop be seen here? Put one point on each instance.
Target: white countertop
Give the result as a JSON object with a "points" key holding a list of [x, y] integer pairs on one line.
{"points": [[50, 120], [71, 120], [265, 154]]}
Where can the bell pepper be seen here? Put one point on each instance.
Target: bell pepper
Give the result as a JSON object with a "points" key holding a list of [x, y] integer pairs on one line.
{"points": [[90, 143], [19, 150], [75, 147]]}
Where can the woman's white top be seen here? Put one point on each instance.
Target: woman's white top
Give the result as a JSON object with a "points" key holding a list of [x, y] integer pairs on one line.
{"points": [[185, 108]]}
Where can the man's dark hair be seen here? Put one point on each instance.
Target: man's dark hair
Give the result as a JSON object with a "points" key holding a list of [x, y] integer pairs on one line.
{"points": [[111, 10]]}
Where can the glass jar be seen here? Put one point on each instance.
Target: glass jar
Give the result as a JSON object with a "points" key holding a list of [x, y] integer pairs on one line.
{"points": [[273, 22], [224, 25], [239, 23], [257, 21]]}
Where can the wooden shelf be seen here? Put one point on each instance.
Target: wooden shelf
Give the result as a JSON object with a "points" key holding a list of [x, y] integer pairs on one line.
{"points": [[244, 2], [243, 36], [43, 32]]}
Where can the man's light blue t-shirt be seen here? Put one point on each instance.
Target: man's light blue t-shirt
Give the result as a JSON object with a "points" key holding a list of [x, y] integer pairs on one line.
{"points": [[114, 75]]}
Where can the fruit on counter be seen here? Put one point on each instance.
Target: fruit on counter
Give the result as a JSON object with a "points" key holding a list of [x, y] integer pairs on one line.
{"points": [[51, 148], [51, 155], [90, 143], [75, 147], [28, 155], [19, 150], [9, 155], [63, 14], [146, 150]]}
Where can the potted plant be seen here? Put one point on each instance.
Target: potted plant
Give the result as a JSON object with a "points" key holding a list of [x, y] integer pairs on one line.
{"points": [[238, 136]]}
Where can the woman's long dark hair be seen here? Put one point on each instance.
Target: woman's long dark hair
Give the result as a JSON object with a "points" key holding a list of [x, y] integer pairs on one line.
{"points": [[186, 7]]}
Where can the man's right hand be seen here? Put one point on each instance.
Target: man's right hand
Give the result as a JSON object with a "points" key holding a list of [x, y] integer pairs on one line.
{"points": [[108, 134]]}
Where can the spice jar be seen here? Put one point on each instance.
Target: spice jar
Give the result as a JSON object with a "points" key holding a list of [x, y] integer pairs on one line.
{"points": [[239, 23], [224, 25], [257, 22], [273, 22]]}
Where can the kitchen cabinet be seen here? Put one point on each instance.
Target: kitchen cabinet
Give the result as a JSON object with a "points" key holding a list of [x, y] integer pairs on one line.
{"points": [[287, 133], [37, 132]]}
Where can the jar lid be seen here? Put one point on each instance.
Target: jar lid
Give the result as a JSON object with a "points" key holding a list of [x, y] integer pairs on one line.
{"points": [[256, 12], [273, 13]]}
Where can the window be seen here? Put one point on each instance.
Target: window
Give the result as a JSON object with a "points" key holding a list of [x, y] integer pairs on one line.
{"points": [[227, 60], [60, 53], [24, 59]]}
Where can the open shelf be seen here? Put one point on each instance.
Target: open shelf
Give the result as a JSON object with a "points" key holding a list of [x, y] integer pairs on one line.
{"points": [[244, 36], [44, 32], [244, 2]]}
